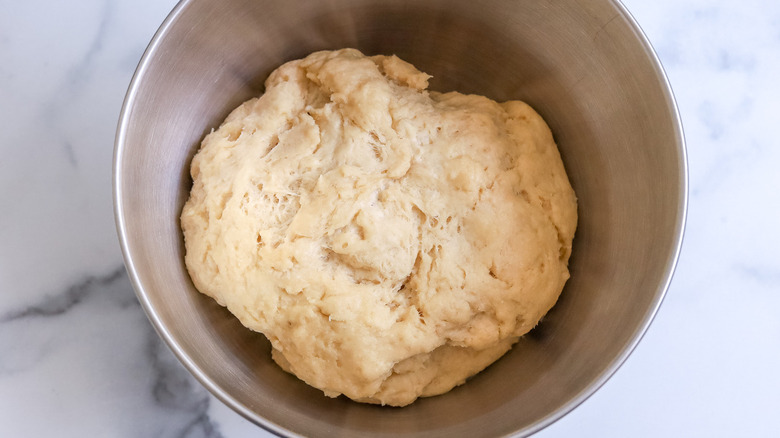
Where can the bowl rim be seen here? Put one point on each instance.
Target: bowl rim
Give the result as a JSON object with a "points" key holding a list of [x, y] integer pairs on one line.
{"points": [[279, 430]]}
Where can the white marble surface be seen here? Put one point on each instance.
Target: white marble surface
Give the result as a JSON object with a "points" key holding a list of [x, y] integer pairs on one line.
{"points": [[79, 359]]}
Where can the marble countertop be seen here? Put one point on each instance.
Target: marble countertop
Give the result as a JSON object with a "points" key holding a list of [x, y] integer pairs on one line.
{"points": [[78, 357]]}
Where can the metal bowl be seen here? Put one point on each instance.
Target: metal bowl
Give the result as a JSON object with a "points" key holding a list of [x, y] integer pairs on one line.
{"points": [[584, 65]]}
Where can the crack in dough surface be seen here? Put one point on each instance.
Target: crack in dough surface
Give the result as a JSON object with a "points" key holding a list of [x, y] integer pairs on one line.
{"points": [[388, 240]]}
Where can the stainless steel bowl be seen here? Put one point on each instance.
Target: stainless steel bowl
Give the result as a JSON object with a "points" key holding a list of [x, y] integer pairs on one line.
{"points": [[583, 64]]}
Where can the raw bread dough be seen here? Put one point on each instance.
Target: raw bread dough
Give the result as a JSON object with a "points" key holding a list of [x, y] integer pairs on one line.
{"points": [[389, 241]]}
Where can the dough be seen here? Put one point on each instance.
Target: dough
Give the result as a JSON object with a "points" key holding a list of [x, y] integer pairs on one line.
{"points": [[389, 241]]}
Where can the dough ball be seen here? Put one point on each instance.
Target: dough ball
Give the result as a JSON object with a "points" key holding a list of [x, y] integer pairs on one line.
{"points": [[388, 240]]}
